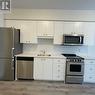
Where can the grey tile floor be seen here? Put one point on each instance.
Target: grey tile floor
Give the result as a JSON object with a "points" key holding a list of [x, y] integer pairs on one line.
{"points": [[44, 88]]}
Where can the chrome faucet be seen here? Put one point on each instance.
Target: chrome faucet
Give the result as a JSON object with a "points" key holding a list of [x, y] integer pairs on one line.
{"points": [[43, 52]]}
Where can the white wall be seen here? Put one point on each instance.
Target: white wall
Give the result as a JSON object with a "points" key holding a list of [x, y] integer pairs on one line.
{"points": [[52, 14], [1, 20], [74, 15]]}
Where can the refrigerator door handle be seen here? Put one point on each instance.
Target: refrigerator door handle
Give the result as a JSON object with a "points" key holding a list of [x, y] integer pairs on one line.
{"points": [[12, 64], [12, 52]]}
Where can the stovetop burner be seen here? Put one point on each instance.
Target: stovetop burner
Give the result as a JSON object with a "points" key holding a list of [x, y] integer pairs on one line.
{"points": [[73, 58]]}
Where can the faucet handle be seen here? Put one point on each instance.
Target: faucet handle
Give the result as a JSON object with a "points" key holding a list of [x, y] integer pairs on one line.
{"points": [[42, 51]]}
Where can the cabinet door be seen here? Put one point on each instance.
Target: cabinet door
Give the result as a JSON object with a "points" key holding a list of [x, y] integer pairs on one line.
{"points": [[43, 69], [28, 32], [47, 69], [89, 71], [89, 33], [89, 78], [58, 32], [59, 69], [68, 28], [73, 28], [45, 28], [38, 69]]}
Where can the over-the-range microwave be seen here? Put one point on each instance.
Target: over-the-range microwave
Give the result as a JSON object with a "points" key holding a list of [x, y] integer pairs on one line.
{"points": [[73, 39]]}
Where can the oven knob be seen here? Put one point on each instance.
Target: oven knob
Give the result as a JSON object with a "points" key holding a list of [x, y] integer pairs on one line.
{"points": [[68, 60], [79, 60]]}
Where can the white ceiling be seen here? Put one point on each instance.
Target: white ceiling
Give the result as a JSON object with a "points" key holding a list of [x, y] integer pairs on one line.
{"points": [[54, 4]]}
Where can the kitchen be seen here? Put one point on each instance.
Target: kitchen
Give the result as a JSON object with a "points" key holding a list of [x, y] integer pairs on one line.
{"points": [[50, 42]]}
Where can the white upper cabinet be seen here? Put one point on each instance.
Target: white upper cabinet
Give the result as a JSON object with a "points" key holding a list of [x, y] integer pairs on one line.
{"points": [[85, 28], [68, 27], [89, 33], [31, 30], [61, 28], [27, 30], [58, 32], [12, 23], [72, 28], [45, 28]]}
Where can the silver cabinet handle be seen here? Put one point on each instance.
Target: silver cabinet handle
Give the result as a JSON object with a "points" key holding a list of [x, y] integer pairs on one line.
{"points": [[90, 77], [91, 62]]}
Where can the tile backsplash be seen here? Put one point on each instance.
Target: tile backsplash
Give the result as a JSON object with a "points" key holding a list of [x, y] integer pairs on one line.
{"points": [[49, 47]]}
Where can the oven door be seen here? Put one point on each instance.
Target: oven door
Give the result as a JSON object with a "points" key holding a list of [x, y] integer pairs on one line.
{"points": [[75, 68]]}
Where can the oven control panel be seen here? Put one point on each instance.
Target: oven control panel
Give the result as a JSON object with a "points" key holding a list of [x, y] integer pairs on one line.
{"points": [[75, 60]]}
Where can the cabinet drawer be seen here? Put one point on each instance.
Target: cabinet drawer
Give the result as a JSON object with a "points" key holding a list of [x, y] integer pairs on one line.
{"points": [[89, 61], [89, 69], [58, 67], [89, 78], [41, 60], [59, 61], [58, 76]]}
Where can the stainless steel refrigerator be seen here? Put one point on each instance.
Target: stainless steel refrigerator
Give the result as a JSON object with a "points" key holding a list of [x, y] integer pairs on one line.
{"points": [[9, 47]]}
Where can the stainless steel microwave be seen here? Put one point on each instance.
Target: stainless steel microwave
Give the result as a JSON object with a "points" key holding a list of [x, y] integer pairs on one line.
{"points": [[73, 39]]}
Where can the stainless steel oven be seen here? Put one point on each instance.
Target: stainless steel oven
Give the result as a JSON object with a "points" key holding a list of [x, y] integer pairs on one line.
{"points": [[75, 68]]}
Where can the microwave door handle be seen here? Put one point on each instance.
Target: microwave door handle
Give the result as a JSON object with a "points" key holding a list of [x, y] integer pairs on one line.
{"points": [[80, 39]]}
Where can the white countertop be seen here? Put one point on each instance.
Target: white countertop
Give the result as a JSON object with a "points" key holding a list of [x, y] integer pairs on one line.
{"points": [[86, 56], [35, 55]]}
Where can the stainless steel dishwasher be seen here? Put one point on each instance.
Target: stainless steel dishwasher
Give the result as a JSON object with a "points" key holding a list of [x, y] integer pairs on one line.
{"points": [[25, 67]]}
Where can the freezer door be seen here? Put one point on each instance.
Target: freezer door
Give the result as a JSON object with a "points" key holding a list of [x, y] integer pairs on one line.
{"points": [[6, 42], [6, 69]]}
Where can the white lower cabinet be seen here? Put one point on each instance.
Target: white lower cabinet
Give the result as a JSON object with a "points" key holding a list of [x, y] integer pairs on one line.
{"points": [[59, 69], [49, 69], [42, 68], [89, 71], [47, 72], [38, 69]]}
